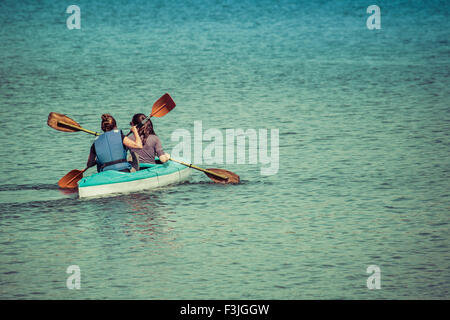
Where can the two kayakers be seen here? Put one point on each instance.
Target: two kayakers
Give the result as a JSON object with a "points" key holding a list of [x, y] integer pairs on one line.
{"points": [[109, 151], [151, 142]]}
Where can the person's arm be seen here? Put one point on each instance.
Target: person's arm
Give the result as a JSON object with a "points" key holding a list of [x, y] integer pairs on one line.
{"points": [[163, 157], [92, 155], [133, 144]]}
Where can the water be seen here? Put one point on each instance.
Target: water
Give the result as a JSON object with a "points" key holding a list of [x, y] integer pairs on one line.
{"points": [[363, 119]]}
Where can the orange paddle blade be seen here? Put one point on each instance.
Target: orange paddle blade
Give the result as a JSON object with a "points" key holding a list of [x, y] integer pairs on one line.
{"points": [[53, 121], [70, 180], [232, 177], [162, 106]]}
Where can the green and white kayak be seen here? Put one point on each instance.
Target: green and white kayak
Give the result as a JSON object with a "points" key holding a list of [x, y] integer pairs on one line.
{"points": [[148, 177]]}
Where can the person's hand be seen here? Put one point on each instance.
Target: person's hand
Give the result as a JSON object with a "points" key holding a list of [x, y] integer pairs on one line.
{"points": [[134, 130], [165, 157]]}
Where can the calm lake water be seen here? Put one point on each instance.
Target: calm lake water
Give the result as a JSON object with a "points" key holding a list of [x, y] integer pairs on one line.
{"points": [[363, 179]]}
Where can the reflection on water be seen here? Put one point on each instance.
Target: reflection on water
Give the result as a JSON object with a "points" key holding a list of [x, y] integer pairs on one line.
{"points": [[69, 191], [145, 219]]}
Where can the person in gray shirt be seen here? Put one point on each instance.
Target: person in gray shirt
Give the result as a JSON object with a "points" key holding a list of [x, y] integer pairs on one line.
{"points": [[152, 145]]}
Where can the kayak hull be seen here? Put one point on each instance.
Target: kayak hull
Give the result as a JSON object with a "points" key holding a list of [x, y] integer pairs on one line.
{"points": [[150, 176]]}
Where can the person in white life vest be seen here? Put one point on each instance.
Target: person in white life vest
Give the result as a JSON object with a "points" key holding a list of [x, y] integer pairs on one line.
{"points": [[109, 150]]}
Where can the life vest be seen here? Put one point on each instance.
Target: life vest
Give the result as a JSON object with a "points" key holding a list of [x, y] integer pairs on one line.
{"points": [[111, 153]]}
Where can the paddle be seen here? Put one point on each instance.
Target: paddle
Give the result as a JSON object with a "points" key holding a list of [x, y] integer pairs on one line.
{"points": [[70, 180], [160, 108], [62, 122], [216, 175]]}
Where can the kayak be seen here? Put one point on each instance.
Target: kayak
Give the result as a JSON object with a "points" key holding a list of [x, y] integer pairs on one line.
{"points": [[149, 176]]}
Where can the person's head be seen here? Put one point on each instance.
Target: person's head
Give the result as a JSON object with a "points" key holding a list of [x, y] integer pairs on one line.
{"points": [[137, 119], [108, 122], [146, 129]]}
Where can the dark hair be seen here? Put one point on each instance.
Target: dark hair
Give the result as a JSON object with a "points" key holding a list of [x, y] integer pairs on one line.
{"points": [[108, 122], [146, 129]]}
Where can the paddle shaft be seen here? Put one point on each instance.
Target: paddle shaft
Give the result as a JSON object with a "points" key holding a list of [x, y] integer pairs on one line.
{"points": [[200, 169], [79, 128]]}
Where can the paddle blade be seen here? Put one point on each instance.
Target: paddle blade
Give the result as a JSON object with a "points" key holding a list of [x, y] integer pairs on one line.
{"points": [[70, 180], [162, 106], [232, 177], [53, 121]]}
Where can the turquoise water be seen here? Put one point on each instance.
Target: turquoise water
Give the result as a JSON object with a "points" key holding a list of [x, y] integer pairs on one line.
{"points": [[363, 118]]}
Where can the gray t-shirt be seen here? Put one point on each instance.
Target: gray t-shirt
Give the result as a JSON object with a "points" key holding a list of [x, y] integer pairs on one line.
{"points": [[152, 147]]}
